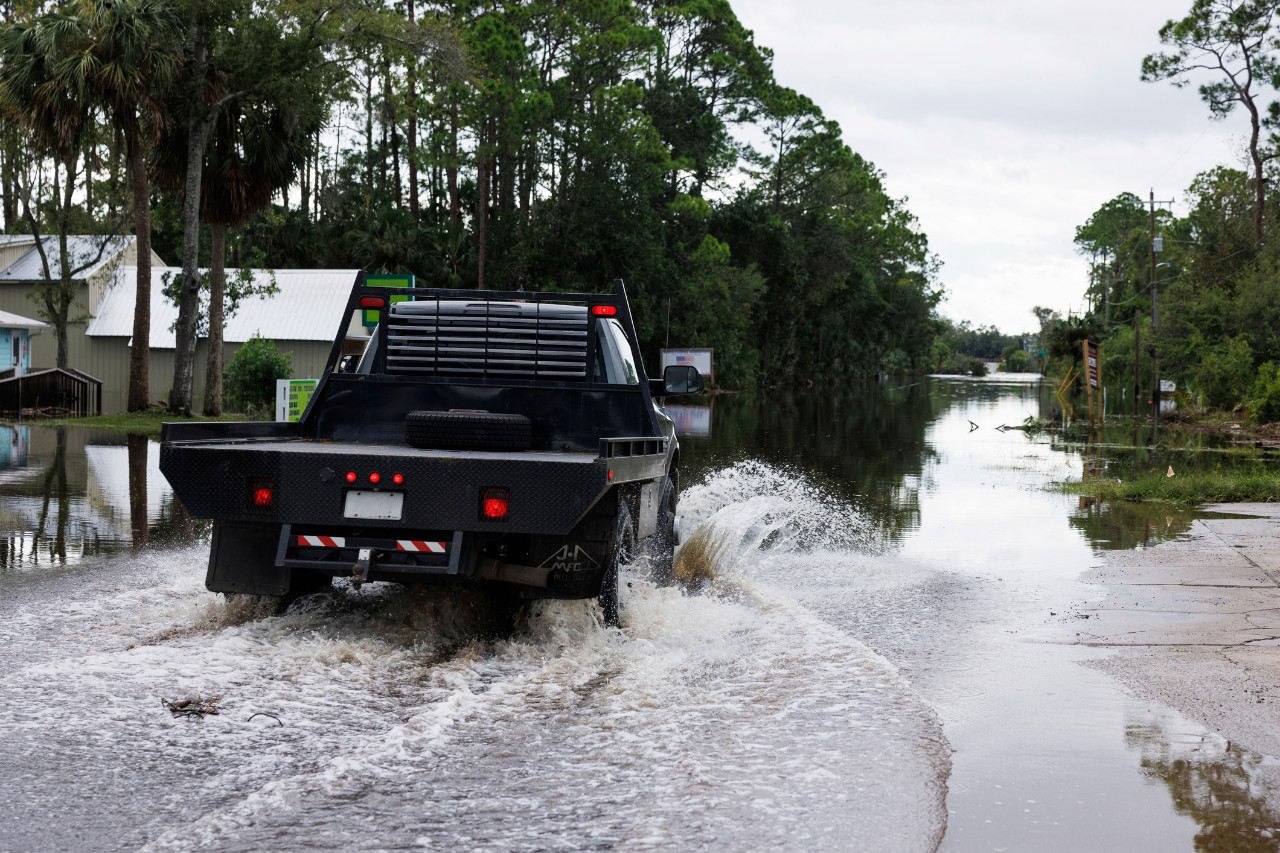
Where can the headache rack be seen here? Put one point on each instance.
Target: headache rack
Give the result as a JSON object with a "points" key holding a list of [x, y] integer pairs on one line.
{"points": [[462, 338]]}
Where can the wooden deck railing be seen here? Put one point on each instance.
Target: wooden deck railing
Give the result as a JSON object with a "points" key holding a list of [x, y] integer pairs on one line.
{"points": [[53, 391]]}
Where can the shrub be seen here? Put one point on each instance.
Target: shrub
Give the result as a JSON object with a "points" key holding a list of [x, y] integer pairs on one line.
{"points": [[1264, 399], [252, 375], [1225, 373], [1015, 360]]}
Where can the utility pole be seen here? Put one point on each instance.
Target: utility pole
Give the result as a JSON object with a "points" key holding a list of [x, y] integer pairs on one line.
{"points": [[1156, 246]]}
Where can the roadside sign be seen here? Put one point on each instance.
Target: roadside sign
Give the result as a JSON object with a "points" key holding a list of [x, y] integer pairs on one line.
{"points": [[1092, 365], [292, 396], [370, 317], [1093, 376], [699, 358]]}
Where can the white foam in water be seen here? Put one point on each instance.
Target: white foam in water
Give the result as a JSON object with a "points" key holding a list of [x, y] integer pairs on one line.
{"points": [[730, 719]]}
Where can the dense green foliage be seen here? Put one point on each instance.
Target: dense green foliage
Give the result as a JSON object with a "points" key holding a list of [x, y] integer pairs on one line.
{"points": [[1217, 295], [546, 146], [1207, 314], [252, 375]]}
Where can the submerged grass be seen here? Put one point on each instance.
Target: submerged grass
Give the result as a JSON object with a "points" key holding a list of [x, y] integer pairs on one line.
{"points": [[1191, 488]]}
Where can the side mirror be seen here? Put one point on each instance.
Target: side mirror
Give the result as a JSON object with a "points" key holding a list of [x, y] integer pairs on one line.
{"points": [[678, 379], [347, 364]]}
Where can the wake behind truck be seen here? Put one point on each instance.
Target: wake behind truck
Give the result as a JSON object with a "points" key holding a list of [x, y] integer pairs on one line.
{"points": [[508, 439]]}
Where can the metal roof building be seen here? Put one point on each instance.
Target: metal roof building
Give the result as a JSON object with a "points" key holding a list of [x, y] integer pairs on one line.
{"points": [[308, 307], [302, 318], [20, 260]]}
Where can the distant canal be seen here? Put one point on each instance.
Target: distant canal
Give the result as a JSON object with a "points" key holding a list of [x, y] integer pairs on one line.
{"points": [[877, 662]]}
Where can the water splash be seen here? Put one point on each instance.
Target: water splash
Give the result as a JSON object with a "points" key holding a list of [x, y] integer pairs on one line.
{"points": [[751, 509]]}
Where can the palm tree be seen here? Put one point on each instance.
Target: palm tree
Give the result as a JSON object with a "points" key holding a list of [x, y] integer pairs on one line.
{"points": [[256, 148], [31, 96], [132, 54], [113, 56]]}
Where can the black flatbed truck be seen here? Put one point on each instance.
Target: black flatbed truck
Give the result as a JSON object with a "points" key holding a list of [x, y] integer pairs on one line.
{"points": [[508, 439]]}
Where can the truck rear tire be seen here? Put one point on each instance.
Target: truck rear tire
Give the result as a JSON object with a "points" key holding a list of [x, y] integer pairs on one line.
{"points": [[663, 549], [467, 431], [624, 546]]}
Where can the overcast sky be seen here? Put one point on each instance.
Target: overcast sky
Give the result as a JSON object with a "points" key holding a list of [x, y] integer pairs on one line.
{"points": [[1004, 123]]}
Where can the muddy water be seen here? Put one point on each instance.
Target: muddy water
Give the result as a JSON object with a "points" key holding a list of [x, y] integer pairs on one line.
{"points": [[871, 659]]}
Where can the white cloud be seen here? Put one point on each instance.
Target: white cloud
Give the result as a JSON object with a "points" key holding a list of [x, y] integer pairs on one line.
{"points": [[1004, 122]]}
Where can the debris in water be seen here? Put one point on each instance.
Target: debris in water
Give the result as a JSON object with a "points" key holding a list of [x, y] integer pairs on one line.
{"points": [[198, 707], [264, 714]]}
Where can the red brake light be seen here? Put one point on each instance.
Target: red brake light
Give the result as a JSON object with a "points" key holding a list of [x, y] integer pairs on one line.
{"points": [[397, 478], [351, 476], [494, 503], [262, 494], [372, 302], [375, 477], [604, 310]]}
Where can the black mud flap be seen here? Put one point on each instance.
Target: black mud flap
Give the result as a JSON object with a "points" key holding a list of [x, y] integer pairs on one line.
{"points": [[243, 559]]}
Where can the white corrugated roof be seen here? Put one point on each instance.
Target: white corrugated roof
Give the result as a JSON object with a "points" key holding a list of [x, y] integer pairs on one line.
{"points": [[308, 307], [81, 248], [15, 321]]}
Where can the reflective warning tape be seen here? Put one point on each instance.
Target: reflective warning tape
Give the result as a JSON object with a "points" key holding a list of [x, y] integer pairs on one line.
{"points": [[416, 545], [322, 541]]}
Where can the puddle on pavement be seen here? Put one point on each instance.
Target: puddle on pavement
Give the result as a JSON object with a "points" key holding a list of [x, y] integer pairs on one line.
{"points": [[1122, 526]]}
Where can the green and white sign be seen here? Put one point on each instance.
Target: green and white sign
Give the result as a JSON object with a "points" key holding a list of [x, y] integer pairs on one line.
{"points": [[292, 396], [370, 318]]}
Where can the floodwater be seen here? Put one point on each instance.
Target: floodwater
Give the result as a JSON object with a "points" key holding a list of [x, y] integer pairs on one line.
{"points": [[875, 660]]}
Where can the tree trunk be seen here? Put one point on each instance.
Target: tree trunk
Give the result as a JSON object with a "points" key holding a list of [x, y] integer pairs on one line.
{"points": [[455, 207], [140, 353], [8, 205], [217, 291], [368, 127], [184, 356], [483, 165], [65, 293], [411, 130], [304, 184]]}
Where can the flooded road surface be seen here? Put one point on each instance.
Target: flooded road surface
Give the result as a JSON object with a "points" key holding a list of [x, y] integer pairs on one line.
{"points": [[873, 658]]}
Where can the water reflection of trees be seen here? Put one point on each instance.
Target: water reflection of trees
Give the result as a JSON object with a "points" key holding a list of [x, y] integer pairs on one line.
{"points": [[51, 520], [867, 449], [1213, 782], [1122, 526]]}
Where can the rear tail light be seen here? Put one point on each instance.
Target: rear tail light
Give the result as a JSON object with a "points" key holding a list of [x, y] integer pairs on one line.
{"points": [[372, 302], [262, 494], [397, 478], [494, 503], [375, 477], [604, 310], [351, 476]]}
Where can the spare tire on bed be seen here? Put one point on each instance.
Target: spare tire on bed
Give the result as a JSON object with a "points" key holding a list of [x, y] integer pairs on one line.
{"points": [[467, 431]]}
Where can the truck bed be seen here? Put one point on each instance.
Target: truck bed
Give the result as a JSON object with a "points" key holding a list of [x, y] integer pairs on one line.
{"points": [[308, 478]]}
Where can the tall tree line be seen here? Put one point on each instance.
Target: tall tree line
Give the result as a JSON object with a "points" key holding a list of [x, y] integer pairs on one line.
{"points": [[546, 144], [1204, 311]]}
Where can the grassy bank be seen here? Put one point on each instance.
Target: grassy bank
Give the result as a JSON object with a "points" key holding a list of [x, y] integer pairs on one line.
{"points": [[134, 423], [1192, 488]]}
